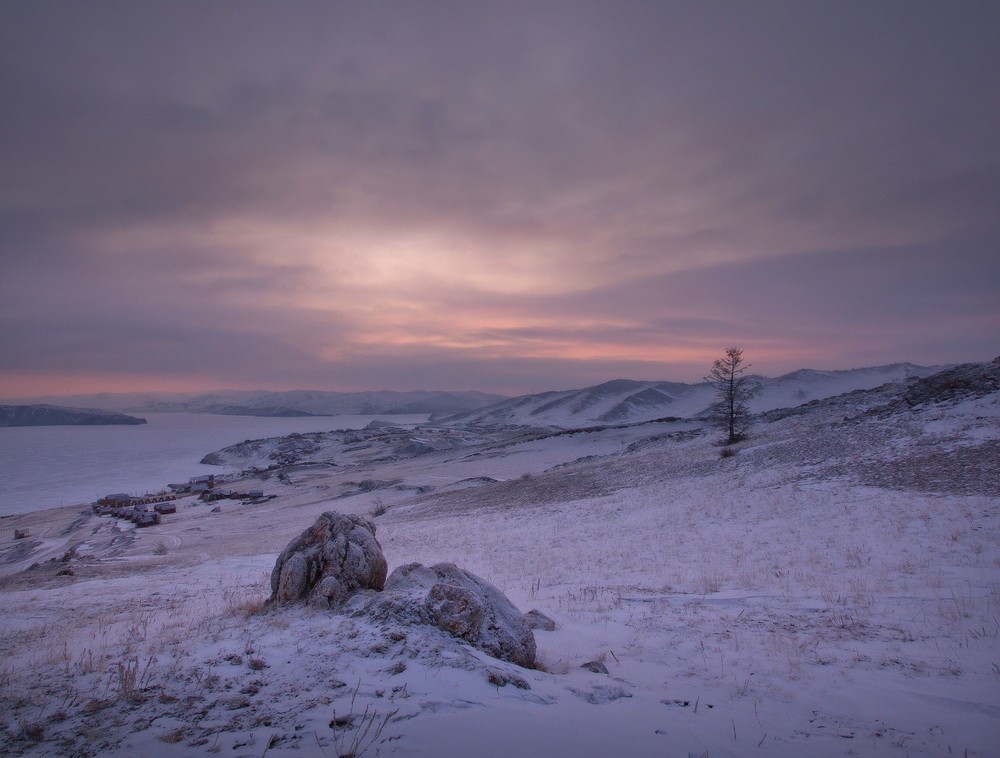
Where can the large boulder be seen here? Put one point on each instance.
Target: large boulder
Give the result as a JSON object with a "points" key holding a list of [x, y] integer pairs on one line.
{"points": [[457, 602], [328, 562], [337, 563]]}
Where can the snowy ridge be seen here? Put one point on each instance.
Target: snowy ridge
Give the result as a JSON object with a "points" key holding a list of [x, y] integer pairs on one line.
{"points": [[629, 401]]}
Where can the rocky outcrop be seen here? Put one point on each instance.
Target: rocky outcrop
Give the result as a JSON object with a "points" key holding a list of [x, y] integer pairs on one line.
{"points": [[966, 380], [457, 602], [335, 557], [337, 563], [283, 450]]}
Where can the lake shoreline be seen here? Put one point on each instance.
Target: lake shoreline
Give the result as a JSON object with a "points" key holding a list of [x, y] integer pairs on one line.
{"points": [[45, 467]]}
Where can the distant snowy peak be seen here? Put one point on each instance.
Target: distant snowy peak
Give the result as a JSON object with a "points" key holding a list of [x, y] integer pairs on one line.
{"points": [[620, 401], [628, 401]]}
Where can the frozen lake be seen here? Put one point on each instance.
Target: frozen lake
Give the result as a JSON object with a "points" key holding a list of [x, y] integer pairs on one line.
{"points": [[49, 466]]}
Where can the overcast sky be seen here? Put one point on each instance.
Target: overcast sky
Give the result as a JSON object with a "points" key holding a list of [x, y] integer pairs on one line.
{"points": [[501, 196]]}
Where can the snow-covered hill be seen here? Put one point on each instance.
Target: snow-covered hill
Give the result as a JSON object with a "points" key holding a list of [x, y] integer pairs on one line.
{"points": [[829, 589], [626, 401]]}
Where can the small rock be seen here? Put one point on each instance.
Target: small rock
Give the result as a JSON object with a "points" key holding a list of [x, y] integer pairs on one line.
{"points": [[502, 679], [596, 666], [535, 619]]}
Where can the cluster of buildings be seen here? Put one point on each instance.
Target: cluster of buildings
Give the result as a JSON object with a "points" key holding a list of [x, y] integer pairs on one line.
{"points": [[196, 485], [205, 487], [145, 510], [142, 511]]}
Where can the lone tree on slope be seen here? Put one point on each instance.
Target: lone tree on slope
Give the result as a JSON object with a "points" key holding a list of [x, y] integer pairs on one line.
{"points": [[729, 412]]}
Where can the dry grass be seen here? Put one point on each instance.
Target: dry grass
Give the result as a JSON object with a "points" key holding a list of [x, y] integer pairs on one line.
{"points": [[172, 737], [249, 608], [545, 661], [354, 734], [247, 601]]}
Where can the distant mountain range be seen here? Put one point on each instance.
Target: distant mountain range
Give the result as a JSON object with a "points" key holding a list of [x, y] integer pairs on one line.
{"points": [[292, 403], [628, 401], [620, 401], [53, 415]]}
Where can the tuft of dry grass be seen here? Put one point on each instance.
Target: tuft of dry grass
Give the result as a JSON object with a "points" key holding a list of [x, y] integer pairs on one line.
{"points": [[380, 508], [172, 737], [245, 603], [250, 608], [32, 731], [354, 734], [544, 662]]}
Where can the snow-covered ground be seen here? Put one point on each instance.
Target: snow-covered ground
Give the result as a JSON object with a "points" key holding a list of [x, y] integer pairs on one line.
{"points": [[831, 589]]}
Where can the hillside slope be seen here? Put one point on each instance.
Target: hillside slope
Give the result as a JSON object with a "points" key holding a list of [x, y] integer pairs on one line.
{"points": [[627, 401], [829, 589]]}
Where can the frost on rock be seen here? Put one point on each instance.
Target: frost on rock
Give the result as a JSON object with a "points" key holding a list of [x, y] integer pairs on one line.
{"points": [[337, 563], [329, 561], [455, 601]]}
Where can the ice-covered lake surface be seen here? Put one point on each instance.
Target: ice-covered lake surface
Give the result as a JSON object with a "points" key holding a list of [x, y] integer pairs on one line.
{"points": [[48, 466]]}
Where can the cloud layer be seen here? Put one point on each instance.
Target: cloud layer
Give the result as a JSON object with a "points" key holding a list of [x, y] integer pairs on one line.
{"points": [[509, 197]]}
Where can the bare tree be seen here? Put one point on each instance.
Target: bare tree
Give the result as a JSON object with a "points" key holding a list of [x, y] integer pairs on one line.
{"points": [[729, 412]]}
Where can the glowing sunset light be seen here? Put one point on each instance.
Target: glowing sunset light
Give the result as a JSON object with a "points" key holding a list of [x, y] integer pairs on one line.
{"points": [[505, 197]]}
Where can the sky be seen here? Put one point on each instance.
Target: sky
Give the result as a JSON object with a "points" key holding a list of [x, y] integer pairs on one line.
{"points": [[510, 197]]}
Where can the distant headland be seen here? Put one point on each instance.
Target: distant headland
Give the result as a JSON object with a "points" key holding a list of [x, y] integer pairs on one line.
{"points": [[54, 415]]}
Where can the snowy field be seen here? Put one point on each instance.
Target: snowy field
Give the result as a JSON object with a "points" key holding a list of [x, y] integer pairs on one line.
{"points": [[50, 466], [833, 588]]}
